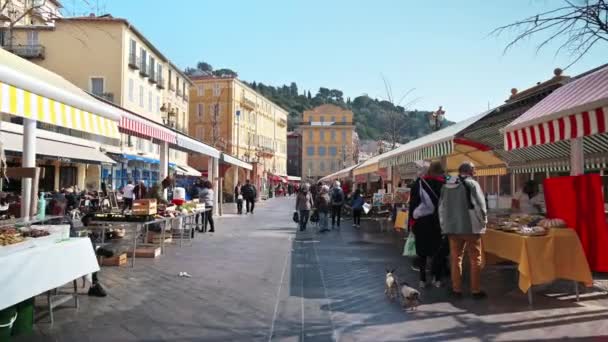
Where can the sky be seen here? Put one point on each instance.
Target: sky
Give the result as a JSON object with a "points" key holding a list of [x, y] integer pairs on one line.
{"points": [[442, 48]]}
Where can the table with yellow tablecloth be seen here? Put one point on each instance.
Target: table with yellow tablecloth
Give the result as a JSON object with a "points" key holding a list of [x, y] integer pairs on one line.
{"points": [[541, 259]]}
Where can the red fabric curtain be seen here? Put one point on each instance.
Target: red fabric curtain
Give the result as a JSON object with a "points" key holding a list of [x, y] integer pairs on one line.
{"points": [[579, 201]]}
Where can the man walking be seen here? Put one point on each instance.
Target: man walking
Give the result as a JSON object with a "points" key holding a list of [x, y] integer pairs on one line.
{"points": [[127, 196], [463, 217], [337, 201], [249, 193]]}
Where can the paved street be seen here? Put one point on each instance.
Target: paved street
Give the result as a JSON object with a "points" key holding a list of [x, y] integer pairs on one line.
{"points": [[257, 279]]}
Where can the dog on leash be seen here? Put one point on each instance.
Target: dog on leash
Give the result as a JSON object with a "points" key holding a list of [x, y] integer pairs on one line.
{"points": [[410, 297], [391, 287]]}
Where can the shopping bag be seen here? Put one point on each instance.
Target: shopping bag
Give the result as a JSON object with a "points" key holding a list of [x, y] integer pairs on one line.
{"points": [[366, 208], [314, 218], [296, 217], [409, 249]]}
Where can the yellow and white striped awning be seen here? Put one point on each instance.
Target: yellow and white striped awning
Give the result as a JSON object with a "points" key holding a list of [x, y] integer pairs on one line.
{"points": [[19, 102]]}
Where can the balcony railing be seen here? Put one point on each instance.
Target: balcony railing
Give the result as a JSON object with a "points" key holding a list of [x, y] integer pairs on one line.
{"points": [[143, 68], [106, 96], [133, 61], [27, 51], [160, 81], [152, 73]]}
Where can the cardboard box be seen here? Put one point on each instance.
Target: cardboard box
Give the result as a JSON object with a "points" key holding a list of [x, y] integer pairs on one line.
{"points": [[117, 260], [145, 252], [156, 238]]}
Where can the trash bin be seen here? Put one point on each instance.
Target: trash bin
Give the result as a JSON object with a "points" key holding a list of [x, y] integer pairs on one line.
{"points": [[7, 320], [25, 318]]}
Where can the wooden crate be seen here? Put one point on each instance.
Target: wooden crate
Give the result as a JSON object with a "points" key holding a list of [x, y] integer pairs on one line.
{"points": [[156, 238], [144, 207], [145, 252], [117, 260]]}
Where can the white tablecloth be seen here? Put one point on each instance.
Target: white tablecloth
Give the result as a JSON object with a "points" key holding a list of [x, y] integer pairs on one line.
{"points": [[30, 272]]}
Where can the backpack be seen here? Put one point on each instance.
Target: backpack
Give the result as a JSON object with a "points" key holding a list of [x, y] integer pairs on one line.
{"points": [[337, 197]]}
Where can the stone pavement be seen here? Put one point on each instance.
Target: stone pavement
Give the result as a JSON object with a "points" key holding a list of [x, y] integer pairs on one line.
{"points": [[257, 279]]}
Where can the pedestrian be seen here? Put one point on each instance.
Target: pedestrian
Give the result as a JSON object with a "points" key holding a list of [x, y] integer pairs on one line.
{"points": [[290, 189], [337, 201], [304, 204], [206, 196], [323, 205], [238, 198], [463, 216], [424, 204], [357, 205], [249, 193], [127, 196], [140, 191]]}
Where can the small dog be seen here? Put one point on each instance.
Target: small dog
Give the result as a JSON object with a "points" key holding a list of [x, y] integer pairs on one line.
{"points": [[410, 297], [391, 287]]}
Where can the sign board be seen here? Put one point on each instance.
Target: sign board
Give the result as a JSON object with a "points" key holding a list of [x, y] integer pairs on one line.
{"points": [[402, 195]]}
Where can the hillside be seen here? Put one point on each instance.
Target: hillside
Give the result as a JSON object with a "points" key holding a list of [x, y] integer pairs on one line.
{"points": [[375, 119]]}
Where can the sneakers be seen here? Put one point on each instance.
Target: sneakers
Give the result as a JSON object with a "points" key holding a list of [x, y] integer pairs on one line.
{"points": [[96, 290]]}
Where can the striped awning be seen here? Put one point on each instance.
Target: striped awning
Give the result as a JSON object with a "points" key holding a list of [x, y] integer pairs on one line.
{"points": [[577, 109], [130, 124], [491, 171], [26, 104]]}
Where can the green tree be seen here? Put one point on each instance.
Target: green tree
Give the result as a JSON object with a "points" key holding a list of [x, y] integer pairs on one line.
{"points": [[204, 66], [225, 72]]}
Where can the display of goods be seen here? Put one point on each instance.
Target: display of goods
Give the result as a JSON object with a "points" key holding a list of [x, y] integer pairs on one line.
{"points": [[10, 236], [144, 207], [35, 233], [533, 231], [553, 223]]}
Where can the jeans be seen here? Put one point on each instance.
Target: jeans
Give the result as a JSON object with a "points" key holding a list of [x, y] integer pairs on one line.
{"points": [[207, 218], [472, 244], [239, 206], [357, 216], [128, 203], [323, 220], [336, 212], [250, 201], [304, 215]]}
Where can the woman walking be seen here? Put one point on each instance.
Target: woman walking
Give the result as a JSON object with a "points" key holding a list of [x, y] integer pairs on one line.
{"points": [[357, 206], [424, 204], [206, 196], [303, 205], [323, 205]]}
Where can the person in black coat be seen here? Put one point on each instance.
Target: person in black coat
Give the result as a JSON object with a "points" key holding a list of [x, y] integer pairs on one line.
{"points": [[425, 223]]}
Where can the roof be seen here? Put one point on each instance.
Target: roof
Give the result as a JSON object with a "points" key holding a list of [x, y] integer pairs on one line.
{"points": [[110, 19]]}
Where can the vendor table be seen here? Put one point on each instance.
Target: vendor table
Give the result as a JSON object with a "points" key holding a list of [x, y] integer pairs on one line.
{"points": [[541, 259], [30, 272]]}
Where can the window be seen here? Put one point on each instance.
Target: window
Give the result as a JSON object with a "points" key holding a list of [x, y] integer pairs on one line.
{"points": [[310, 135], [310, 151], [333, 165], [344, 119], [152, 68], [141, 96], [132, 49], [322, 166], [322, 135], [150, 101], [159, 73], [157, 104], [309, 169], [200, 132], [333, 151], [177, 85], [200, 90], [32, 38], [143, 57], [184, 88], [97, 86], [131, 89], [333, 135], [200, 110], [170, 77], [216, 90], [321, 118], [344, 136], [322, 151], [333, 119]]}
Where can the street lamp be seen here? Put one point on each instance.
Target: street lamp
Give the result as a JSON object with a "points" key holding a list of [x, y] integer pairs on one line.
{"points": [[436, 118]]}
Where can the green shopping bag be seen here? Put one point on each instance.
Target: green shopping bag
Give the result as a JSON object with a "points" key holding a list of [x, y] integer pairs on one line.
{"points": [[409, 248]]}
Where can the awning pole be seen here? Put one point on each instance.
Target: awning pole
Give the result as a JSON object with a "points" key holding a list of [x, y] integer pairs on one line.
{"points": [[164, 164], [577, 161], [28, 160]]}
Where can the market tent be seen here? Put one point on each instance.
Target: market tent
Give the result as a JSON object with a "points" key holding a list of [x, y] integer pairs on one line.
{"points": [[577, 111], [448, 143], [187, 171], [344, 173], [294, 178], [226, 158]]}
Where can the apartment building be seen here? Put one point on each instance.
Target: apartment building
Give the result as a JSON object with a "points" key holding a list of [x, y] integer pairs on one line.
{"points": [[329, 141], [229, 115], [110, 58]]}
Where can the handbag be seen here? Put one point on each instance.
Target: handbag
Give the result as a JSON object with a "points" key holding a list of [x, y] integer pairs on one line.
{"points": [[296, 217], [314, 218], [426, 206], [409, 248]]}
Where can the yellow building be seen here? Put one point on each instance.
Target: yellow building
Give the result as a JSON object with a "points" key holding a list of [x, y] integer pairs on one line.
{"points": [[328, 141], [229, 115], [110, 58]]}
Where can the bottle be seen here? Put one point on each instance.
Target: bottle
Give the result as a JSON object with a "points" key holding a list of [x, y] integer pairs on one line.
{"points": [[41, 207]]}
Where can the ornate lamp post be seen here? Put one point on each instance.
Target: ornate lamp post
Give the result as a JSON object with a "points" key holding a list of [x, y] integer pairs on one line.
{"points": [[436, 118]]}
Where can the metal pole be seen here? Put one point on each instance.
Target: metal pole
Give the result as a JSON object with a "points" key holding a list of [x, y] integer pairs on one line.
{"points": [[220, 193], [28, 160], [577, 162]]}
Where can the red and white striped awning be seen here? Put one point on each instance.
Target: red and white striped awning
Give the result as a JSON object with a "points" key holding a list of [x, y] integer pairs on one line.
{"points": [[577, 109], [132, 125]]}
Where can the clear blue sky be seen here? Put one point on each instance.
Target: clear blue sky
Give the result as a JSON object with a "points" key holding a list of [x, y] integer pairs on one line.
{"points": [[441, 48]]}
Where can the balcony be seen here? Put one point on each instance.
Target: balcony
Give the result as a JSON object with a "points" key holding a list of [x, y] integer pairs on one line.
{"points": [[143, 68], [152, 79], [106, 96], [160, 81], [27, 51], [133, 61]]}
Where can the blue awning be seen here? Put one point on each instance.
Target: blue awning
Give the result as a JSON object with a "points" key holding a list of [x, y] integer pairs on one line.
{"points": [[143, 159]]}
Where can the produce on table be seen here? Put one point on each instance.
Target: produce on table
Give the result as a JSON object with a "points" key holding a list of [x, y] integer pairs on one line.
{"points": [[10, 236], [35, 233]]}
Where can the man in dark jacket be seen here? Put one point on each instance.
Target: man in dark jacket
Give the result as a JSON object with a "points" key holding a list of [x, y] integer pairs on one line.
{"points": [[249, 194], [337, 201]]}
